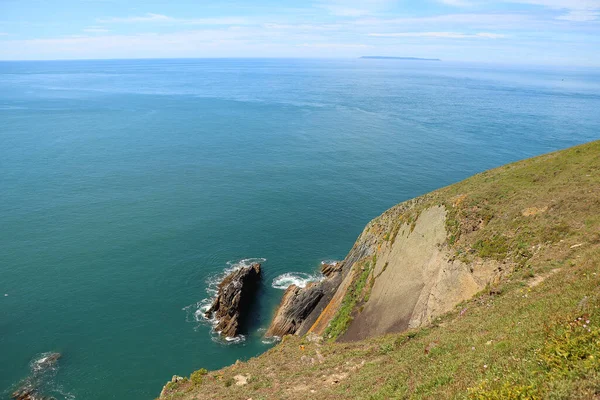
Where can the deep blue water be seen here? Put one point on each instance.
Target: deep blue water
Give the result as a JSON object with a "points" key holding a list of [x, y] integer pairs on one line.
{"points": [[126, 186]]}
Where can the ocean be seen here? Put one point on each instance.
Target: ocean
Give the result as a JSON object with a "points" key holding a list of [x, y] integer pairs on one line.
{"points": [[128, 187]]}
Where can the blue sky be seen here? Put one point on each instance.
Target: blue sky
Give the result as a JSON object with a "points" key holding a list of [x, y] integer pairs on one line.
{"points": [[508, 31]]}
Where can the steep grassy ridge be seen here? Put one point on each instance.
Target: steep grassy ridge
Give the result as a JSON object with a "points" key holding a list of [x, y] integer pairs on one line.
{"points": [[532, 333]]}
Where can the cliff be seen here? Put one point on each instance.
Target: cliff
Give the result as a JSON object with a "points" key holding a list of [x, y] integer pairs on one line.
{"points": [[489, 288], [401, 273]]}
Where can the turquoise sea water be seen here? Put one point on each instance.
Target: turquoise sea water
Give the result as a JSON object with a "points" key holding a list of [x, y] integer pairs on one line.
{"points": [[126, 187]]}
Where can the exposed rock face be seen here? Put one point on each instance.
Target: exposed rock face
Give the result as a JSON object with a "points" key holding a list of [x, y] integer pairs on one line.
{"points": [[328, 269], [165, 389], [416, 279], [236, 291], [300, 307], [296, 305]]}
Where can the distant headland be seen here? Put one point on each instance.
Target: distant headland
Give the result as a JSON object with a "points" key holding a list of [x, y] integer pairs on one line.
{"points": [[400, 58]]}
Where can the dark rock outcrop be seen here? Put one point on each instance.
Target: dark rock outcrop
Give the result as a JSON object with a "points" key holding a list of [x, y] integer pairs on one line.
{"points": [[296, 305], [236, 291], [328, 269], [300, 307], [28, 393], [29, 388]]}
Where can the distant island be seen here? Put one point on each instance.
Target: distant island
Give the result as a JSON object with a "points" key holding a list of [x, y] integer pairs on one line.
{"points": [[400, 58]]}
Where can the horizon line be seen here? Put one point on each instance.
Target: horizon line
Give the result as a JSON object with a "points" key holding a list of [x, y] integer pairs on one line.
{"points": [[398, 58]]}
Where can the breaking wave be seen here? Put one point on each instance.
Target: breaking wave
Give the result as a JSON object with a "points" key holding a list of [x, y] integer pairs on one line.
{"points": [[271, 340], [299, 279]]}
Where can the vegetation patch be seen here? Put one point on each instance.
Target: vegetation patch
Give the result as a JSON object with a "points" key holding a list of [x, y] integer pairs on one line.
{"points": [[568, 363], [495, 247], [198, 376], [356, 294]]}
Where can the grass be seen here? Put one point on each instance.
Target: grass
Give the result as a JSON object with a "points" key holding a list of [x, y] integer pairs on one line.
{"points": [[528, 337], [357, 293]]}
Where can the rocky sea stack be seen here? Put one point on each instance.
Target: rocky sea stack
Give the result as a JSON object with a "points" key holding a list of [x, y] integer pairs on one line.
{"points": [[236, 293]]}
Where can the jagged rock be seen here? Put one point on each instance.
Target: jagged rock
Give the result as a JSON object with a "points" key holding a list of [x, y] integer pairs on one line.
{"points": [[235, 293], [331, 268], [165, 389], [29, 389], [296, 305], [28, 393]]}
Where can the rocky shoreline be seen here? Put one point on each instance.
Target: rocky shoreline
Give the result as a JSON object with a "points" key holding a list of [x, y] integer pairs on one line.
{"points": [[297, 306]]}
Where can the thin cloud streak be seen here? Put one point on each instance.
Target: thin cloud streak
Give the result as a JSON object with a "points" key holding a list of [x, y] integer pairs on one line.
{"points": [[575, 10], [334, 45], [96, 30], [445, 35], [160, 18]]}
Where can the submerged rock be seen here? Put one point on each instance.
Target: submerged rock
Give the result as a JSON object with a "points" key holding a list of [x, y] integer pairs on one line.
{"points": [[49, 360], [29, 388], [235, 292], [28, 393]]}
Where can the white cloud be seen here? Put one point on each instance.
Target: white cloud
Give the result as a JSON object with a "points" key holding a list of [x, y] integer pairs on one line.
{"points": [[580, 15], [303, 27], [561, 4], [149, 17], [576, 10], [159, 18], [346, 11], [355, 8], [95, 30], [445, 35], [334, 45], [489, 21], [4, 34], [241, 42], [457, 3]]}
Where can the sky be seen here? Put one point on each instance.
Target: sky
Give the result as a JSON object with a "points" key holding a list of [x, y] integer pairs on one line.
{"points": [[556, 32]]}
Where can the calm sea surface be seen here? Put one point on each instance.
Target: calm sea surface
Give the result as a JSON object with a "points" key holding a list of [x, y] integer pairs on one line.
{"points": [[128, 187]]}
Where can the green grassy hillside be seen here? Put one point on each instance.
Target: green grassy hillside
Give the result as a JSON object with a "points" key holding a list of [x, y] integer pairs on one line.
{"points": [[535, 334]]}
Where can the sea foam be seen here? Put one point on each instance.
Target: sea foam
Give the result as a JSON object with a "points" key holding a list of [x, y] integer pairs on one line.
{"points": [[299, 279]]}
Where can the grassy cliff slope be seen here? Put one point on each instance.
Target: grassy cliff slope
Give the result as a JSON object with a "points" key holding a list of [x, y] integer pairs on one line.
{"points": [[532, 331]]}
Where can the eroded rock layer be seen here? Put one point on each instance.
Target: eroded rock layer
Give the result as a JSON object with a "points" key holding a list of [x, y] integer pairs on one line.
{"points": [[235, 293], [296, 305]]}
